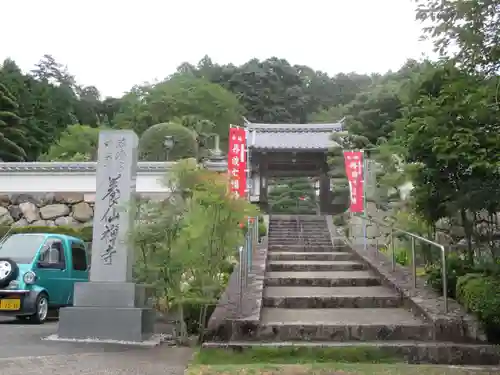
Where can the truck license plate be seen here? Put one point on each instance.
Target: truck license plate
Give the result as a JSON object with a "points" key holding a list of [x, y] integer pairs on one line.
{"points": [[10, 304]]}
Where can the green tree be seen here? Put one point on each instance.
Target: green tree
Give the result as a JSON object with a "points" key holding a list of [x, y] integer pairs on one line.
{"points": [[293, 195], [76, 143], [181, 95], [452, 134], [88, 106], [330, 115], [466, 30], [372, 113], [186, 243], [273, 91], [11, 134], [152, 143]]}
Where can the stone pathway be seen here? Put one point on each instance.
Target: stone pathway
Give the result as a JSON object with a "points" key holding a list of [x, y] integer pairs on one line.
{"points": [[23, 352]]}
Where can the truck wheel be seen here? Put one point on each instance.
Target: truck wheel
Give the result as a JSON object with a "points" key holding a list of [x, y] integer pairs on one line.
{"points": [[42, 309]]}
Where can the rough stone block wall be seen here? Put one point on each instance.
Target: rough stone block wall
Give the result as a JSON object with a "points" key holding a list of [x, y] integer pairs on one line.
{"points": [[50, 209]]}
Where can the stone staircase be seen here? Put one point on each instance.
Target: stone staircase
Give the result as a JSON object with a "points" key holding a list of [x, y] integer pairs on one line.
{"points": [[318, 293], [315, 291]]}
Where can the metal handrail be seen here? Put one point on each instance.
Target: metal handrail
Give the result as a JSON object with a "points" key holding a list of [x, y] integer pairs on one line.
{"points": [[414, 237], [246, 253]]}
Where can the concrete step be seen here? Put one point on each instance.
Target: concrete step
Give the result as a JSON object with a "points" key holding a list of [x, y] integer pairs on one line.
{"points": [[322, 236], [295, 237], [418, 352], [312, 230], [314, 249], [373, 324], [294, 229], [302, 255], [294, 224], [308, 265], [292, 241], [296, 297], [321, 278]]}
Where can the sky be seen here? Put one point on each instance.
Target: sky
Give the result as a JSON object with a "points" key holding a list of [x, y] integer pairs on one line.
{"points": [[115, 44]]}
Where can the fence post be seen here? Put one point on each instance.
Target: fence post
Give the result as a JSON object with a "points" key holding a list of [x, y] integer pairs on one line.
{"points": [[393, 253], [414, 262], [249, 247], [240, 281]]}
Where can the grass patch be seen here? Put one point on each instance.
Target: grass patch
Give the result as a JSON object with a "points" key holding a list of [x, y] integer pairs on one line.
{"points": [[292, 355], [332, 369]]}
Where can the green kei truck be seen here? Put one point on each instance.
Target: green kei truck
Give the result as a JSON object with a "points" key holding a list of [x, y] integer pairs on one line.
{"points": [[38, 272]]}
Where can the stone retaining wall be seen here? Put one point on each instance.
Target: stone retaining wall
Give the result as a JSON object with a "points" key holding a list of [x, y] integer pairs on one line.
{"points": [[68, 209]]}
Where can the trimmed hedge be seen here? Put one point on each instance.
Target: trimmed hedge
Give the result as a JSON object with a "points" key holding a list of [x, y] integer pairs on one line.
{"points": [[479, 294], [84, 233]]}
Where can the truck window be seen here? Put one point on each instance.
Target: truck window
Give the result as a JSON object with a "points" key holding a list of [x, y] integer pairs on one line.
{"points": [[79, 256], [53, 252]]}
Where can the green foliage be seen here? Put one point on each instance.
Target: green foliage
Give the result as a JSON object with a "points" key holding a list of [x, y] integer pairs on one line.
{"points": [[84, 233], [11, 131], [48, 100], [292, 195], [452, 135], [372, 113], [179, 96], [479, 295], [326, 116], [273, 91], [455, 268], [470, 27], [152, 147], [262, 230], [76, 143], [186, 242], [412, 222], [401, 254]]}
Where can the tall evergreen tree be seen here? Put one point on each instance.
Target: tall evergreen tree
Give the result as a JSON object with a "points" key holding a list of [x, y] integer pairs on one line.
{"points": [[11, 133]]}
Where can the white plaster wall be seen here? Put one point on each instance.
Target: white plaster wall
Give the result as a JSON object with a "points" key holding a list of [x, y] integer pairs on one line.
{"points": [[70, 182]]}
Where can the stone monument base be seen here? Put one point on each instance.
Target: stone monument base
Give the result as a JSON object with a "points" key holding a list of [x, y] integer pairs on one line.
{"points": [[132, 324], [108, 311]]}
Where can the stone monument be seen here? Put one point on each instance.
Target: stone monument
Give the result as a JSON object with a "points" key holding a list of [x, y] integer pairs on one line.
{"points": [[111, 306]]}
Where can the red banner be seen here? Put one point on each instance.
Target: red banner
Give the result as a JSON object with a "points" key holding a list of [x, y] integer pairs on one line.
{"points": [[354, 171], [237, 161]]}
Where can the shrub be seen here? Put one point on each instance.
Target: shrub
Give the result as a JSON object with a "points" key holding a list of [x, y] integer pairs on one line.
{"points": [[262, 230], [84, 233], [479, 295], [402, 256], [186, 243], [152, 148], [455, 268], [76, 143]]}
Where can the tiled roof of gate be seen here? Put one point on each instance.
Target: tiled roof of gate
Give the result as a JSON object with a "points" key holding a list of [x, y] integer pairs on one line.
{"points": [[292, 136]]}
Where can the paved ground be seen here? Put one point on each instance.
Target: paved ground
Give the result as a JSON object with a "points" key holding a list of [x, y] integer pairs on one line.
{"points": [[22, 351]]}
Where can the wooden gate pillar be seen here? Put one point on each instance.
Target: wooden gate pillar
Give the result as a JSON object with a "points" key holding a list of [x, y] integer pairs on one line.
{"points": [[263, 183], [325, 196]]}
